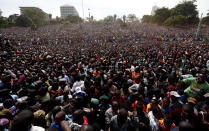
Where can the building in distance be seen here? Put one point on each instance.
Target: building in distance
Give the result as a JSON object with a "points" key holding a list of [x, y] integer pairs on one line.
{"points": [[66, 10]]}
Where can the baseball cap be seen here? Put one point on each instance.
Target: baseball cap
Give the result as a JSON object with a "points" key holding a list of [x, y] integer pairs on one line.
{"points": [[4, 122], [174, 93], [78, 89]]}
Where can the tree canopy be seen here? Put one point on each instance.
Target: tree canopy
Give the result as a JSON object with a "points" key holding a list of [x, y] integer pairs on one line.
{"points": [[183, 13], [73, 19], [36, 16]]}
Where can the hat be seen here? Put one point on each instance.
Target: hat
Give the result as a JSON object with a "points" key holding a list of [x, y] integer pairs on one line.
{"points": [[174, 93], [70, 96], [78, 90], [6, 113], [4, 122], [129, 81], [39, 113], [94, 101], [104, 97], [206, 95], [191, 100], [24, 98]]}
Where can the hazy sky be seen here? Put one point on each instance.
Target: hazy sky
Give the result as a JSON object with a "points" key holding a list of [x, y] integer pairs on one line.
{"points": [[98, 8]]}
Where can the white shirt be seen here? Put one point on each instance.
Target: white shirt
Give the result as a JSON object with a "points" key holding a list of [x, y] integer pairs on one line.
{"points": [[36, 128], [154, 123]]}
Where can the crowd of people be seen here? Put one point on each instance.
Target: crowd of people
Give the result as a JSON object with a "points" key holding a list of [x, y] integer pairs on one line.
{"points": [[103, 78]]}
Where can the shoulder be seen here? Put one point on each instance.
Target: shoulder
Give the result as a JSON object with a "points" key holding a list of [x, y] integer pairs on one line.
{"points": [[114, 118], [37, 128]]}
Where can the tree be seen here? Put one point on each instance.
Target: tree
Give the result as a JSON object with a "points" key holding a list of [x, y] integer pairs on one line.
{"points": [[147, 19], [205, 20], [12, 19], [66, 24], [132, 17], [73, 19], [50, 16], [115, 17], [161, 15], [119, 20], [92, 18], [37, 16], [3, 22], [109, 19], [22, 20], [187, 9], [175, 21]]}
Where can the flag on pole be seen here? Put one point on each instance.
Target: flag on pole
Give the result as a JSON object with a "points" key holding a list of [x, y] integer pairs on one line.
{"points": [[18, 52], [177, 52], [97, 57], [164, 62], [189, 39]]}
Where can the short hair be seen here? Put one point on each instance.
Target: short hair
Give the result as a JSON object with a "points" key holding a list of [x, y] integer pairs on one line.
{"points": [[185, 126], [123, 112], [78, 116], [188, 107], [22, 121], [51, 129]]}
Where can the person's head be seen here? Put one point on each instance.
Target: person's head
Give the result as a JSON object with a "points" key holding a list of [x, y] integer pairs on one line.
{"points": [[153, 102], [185, 126], [166, 102], [122, 115], [187, 111], [139, 107], [156, 111], [115, 106], [8, 103], [60, 116], [55, 110], [22, 121], [39, 118], [174, 96], [43, 91], [78, 116], [6, 113], [200, 78], [168, 121], [117, 94], [4, 123], [51, 129]]}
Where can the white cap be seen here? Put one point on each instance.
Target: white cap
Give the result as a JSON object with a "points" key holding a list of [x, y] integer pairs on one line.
{"points": [[174, 93], [78, 89]]}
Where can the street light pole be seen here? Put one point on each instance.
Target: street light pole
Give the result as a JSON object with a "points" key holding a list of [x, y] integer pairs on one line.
{"points": [[83, 12], [89, 15]]}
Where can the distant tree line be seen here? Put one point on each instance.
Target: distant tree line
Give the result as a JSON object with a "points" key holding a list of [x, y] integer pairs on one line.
{"points": [[182, 14]]}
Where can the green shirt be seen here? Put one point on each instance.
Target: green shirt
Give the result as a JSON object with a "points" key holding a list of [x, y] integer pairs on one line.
{"points": [[195, 88]]}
